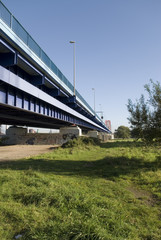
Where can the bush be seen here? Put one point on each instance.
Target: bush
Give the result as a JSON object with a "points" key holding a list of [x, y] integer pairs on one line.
{"points": [[81, 142]]}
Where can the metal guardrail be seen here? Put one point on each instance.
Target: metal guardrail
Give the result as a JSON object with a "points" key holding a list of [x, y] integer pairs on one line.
{"points": [[19, 30]]}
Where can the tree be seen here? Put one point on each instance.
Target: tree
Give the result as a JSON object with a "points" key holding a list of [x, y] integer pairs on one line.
{"points": [[145, 115], [122, 132]]}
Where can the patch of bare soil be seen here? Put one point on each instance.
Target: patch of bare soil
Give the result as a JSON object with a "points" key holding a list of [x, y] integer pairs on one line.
{"points": [[8, 153], [143, 196]]}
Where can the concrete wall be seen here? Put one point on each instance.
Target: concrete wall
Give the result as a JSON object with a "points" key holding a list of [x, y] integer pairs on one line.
{"points": [[18, 135]]}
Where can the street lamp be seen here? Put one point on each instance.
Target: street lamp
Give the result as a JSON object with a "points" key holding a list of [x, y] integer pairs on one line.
{"points": [[94, 97], [73, 42]]}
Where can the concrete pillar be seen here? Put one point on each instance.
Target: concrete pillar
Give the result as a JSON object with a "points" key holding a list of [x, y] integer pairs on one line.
{"points": [[101, 136], [16, 131], [71, 131], [15, 135], [93, 134], [105, 136]]}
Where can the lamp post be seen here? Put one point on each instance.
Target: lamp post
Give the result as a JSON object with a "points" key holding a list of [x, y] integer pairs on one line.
{"points": [[94, 99], [73, 42]]}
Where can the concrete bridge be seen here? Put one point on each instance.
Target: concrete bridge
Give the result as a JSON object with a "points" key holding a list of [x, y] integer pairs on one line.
{"points": [[33, 91]]}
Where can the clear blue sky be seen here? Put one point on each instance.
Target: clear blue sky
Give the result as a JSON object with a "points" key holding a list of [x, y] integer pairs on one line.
{"points": [[118, 46]]}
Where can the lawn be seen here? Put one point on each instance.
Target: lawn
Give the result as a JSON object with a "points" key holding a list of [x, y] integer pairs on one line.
{"points": [[84, 191]]}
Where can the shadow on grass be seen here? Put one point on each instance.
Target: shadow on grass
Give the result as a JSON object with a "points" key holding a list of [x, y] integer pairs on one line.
{"points": [[124, 144], [110, 167]]}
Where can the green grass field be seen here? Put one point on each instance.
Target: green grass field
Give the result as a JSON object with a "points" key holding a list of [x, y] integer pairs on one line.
{"points": [[110, 191]]}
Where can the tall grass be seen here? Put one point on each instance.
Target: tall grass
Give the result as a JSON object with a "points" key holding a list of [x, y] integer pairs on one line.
{"points": [[83, 191]]}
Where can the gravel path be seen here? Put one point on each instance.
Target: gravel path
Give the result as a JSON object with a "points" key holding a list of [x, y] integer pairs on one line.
{"points": [[8, 153]]}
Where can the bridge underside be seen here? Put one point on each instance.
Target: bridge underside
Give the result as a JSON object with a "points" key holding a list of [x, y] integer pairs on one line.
{"points": [[29, 98], [15, 116], [13, 61], [23, 104]]}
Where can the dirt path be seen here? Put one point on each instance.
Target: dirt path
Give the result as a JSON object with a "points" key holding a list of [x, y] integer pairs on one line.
{"points": [[21, 151]]}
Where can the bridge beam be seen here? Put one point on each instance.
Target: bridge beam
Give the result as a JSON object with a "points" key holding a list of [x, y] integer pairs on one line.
{"points": [[55, 92], [8, 59], [38, 80]]}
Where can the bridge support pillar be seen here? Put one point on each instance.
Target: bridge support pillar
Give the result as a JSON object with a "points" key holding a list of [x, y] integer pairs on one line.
{"points": [[93, 134], [71, 131], [16, 131], [15, 135], [105, 136]]}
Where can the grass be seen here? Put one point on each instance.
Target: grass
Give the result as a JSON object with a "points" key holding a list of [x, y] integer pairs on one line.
{"points": [[83, 191]]}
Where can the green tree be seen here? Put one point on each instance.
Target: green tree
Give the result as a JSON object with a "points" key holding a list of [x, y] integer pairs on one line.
{"points": [[145, 115], [122, 132]]}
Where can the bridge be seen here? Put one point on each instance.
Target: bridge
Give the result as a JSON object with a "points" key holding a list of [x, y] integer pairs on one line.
{"points": [[33, 90]]}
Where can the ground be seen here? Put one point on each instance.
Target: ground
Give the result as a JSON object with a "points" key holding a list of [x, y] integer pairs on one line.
{"points": [[20, 151], [85, 190]]}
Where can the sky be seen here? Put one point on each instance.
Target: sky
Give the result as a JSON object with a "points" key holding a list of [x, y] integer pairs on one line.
{"points": [[118, 46]]}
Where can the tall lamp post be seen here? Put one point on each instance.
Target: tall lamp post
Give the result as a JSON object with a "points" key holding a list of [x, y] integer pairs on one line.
{"points": [[94, 99], [73, 42]]}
